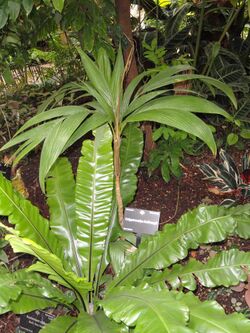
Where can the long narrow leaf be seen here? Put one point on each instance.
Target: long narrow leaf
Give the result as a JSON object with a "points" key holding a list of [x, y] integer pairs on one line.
{"points": [[131, 154], [202, 225], [55, 142], [26, 217], [225, 269], [94, 186], [48, 264], [209, 316], [60, 188], [51, 114], [185, 121]]}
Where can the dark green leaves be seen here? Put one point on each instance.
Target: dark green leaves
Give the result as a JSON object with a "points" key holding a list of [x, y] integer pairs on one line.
{"points": [[131, 154], [94, 188]]}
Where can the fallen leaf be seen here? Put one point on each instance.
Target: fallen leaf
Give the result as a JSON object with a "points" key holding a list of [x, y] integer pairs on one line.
{"points": [[247, 297], [212, 253], [239, 288], [19, 185], [193, 254]]}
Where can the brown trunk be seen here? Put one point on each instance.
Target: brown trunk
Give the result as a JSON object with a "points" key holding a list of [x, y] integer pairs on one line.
{"points": [[123, 15]]}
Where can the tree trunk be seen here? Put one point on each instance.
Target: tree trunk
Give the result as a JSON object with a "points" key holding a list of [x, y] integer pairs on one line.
{"points": [[123, 15]]}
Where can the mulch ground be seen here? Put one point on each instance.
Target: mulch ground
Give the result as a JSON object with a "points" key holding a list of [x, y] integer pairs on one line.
{"points": [[171, 199]]}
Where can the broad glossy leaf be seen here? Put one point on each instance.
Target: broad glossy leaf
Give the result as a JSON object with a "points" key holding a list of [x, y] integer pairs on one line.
{"points": [[62, 324], [130, 154], [55, 142], [37, 293], [26, 217], [185, 121], [50, 264], [241, 214], [117, 252], [225, 269], [58, 4], [209, 316], [147, 310], [14, 9], [9, 290], [3, 16], [94, 188], [205, 224], [61, 200], [97, 323], [27, 5]]}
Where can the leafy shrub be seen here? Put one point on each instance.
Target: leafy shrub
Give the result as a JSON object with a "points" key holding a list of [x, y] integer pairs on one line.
{"points": [[169, 152]]}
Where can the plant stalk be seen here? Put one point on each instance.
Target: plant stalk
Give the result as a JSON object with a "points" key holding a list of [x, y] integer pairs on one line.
{"points": [[117, 169]]}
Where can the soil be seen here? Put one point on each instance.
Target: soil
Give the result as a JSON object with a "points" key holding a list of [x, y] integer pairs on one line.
{"points": [[171, 199]]}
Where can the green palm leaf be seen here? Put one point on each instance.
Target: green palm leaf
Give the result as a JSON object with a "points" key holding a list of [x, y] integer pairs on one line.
{"points": [[131, 154], [61, 200], [63, 111], [26, 218], [96, 77], [55, 142], [202, 225], [94, 121], [184, 103], [160, 80], [185, 121], [147, 310], [94, 186], [34, 133], [225, 269]]}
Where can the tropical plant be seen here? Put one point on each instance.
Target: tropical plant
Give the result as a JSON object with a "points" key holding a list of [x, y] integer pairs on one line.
{"points": [[73, 250], [226, 177], [110, 104], [169, 151]]}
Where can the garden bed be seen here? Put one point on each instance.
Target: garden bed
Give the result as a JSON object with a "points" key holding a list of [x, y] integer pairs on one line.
{"points": [[172, 200]]}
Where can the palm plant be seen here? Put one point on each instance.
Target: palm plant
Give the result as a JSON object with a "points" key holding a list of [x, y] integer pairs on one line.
{"points": [[74, 248], [111, 104]]}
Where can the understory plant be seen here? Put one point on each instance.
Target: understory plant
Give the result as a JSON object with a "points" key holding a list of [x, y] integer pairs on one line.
{"points": [[226, 177], [74, 249], [169, 151], [149, 97]]}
